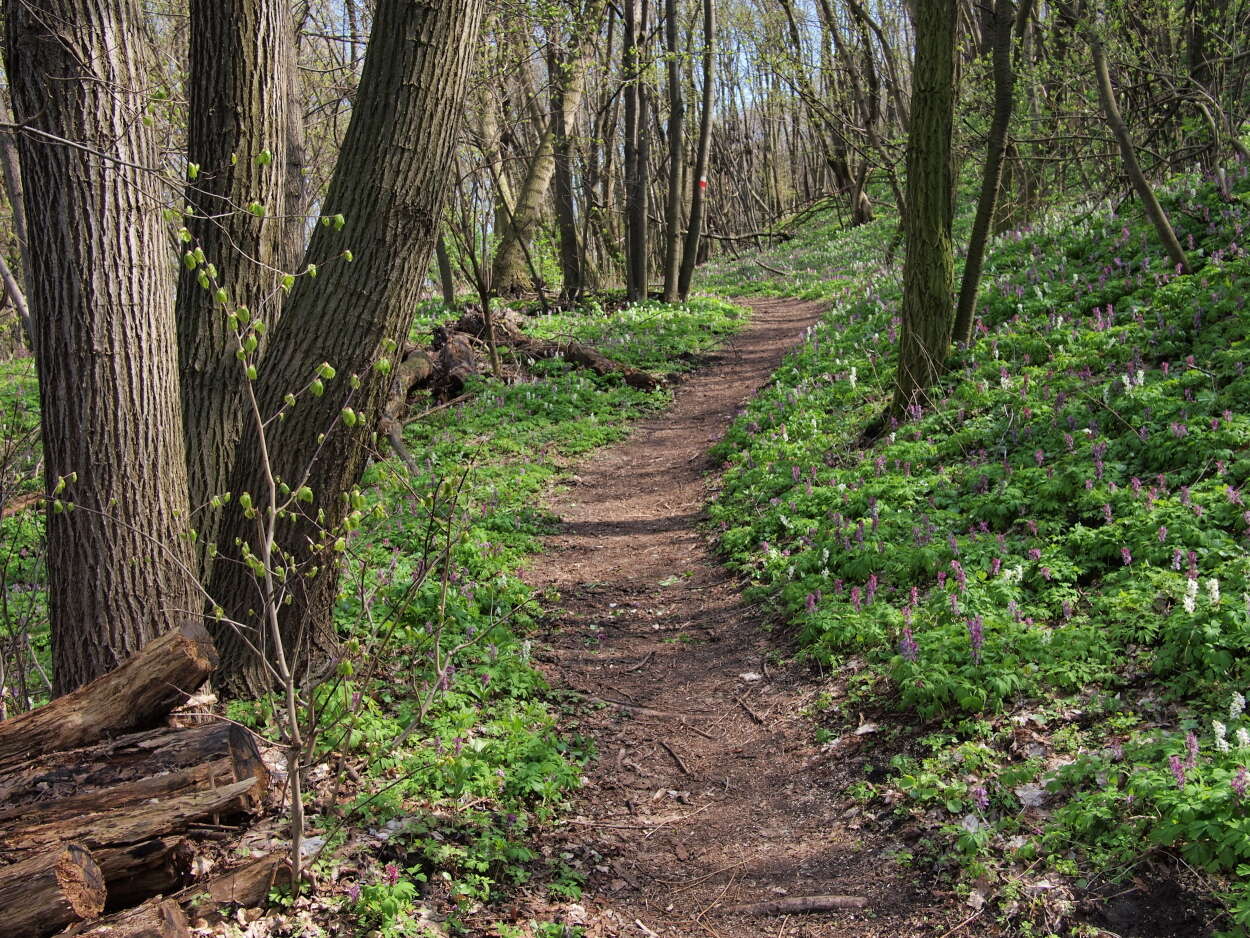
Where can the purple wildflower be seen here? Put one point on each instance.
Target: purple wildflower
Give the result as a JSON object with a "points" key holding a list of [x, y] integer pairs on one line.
{"points": [[1126, 555], [908, 647], [1191, 750], [976, 637], [391, 874], [1239, 782], [1178, 770], [981, 797], [1163, 533]]}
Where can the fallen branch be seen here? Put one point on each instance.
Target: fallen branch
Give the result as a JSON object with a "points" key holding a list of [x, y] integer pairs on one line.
{"points": [[798, 905], [751, 713], [676, 758]]}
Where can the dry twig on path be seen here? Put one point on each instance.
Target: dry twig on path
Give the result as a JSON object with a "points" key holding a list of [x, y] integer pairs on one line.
{"points": [[798, 904]]}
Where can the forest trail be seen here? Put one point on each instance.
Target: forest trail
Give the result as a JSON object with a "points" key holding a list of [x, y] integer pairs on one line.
{"points": [[708, 791]]}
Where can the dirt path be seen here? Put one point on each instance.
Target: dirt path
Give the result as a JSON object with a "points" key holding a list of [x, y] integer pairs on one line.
{"points": [[709, 790]]}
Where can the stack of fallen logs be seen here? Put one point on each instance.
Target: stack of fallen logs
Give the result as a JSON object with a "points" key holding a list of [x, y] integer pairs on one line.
{"points": [[458, 352], [99, 798]]}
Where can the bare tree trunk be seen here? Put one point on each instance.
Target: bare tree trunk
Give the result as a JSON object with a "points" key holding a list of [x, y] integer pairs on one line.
{"points": [[928, 270], [101, 290], [637, 151], [676, 148], [694, 228], [446, 278], [242, 59], [389, 185], [1128, 154], [991, 178]]}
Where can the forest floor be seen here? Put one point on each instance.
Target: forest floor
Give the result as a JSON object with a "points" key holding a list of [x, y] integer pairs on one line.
{"points": [[709, 791]]}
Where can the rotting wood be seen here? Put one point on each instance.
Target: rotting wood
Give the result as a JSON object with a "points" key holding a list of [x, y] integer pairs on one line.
{"points": [[796, 905], [247, 887], [217, 752], [159, 918], [136, 872], [128, 825], [45, 893], [135, 695]]}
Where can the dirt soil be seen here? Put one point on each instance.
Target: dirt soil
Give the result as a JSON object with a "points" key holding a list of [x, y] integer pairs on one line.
{"points": [[709, 791]]}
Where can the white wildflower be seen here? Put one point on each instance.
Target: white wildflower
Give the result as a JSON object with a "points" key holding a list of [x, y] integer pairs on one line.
{"points": [[1013, 574], [1213, 591], [853, 377], [1220, 731], [1191, 596], [1236, 706], [1243, 738]]}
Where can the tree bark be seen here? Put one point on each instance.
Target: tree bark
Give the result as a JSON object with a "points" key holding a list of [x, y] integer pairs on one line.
{"points": [[388, 184], [242, 54], [637, 150], [134, 696], [690, 251], [160, 918], [120, 564], [991, 177], [99, 828], [446, 279], [676, 152], [229, 749], [45, 893], [928, 270], [65, 812], [562, 186], [136, 872]]}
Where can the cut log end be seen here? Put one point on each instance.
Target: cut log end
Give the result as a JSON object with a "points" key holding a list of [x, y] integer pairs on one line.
{"points": [[81, 882]]}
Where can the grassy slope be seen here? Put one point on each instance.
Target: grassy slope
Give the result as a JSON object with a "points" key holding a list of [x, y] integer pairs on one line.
{"points": [[1047, 565]]}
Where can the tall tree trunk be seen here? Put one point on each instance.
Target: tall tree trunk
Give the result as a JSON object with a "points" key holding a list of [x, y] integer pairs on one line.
{"points": [[510, 264], [676, 149], [446, 278], [242, 59], [389, 185], [101, 296], [991, 177], [928, 270], [694, 228], [637, 151], [562, 186], [1128, 154]]}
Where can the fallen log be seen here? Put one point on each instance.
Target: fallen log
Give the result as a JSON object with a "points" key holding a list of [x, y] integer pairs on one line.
{"points": [[247, 887], [45, 893], [508, 332], [121, 799], [20, 504], [796, 905], [135, 695], [204, 756], [136, 872], [98, 828], [159, 918]]}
